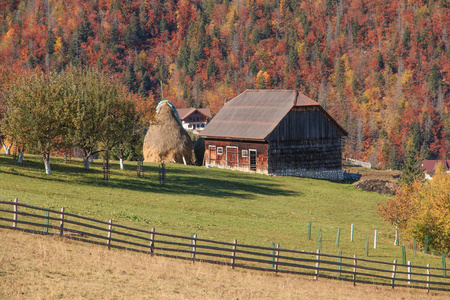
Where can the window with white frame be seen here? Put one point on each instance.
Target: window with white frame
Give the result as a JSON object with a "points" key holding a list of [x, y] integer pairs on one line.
{"points": [[219, 150], [244, 153]]}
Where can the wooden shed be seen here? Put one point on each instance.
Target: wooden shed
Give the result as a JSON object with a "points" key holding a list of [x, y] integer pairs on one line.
{"points": [[278, 132]]}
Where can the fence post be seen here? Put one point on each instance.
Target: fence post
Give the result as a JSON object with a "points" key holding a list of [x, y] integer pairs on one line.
{"points": [[320, 240], [351, 233], [316, 275], [15, 213], [194, 242], [375, 240], [354, 269], [425, 248], [272, 245], [309, 231], [338, 236], [47, 214], [152, 241], [394, 269], [277, 254], [109, 233], [61, 225], [444, 265], [404, 255], [409, 272], [428, 278], [233, 254], [339, 264], [367, 245]]}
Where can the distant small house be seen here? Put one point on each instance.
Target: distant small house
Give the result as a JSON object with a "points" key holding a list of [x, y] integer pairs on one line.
{"points": [[429, 167], [278, 132], [194, 118]]}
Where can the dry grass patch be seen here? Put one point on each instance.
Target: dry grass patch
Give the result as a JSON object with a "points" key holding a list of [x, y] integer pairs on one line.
{"points": [[43, 267]]}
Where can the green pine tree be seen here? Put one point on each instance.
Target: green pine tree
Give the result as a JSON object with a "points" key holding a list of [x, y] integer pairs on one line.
{"points": [[412, 170]]}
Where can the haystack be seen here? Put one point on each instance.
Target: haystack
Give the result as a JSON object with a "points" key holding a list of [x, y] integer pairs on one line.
{"points": [[166, 140]]}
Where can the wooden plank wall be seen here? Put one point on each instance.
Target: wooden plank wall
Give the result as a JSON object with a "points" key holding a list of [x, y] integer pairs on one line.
{"points": [[311, 154], [304, 123], [244, 165]]}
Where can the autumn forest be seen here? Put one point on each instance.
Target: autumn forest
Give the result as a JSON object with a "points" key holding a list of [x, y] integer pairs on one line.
{"points": [[381, 68]]}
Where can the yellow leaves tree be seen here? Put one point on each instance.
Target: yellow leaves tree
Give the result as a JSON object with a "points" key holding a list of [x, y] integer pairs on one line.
{"points": [[263, 80], [432, 200], [422, 208]]}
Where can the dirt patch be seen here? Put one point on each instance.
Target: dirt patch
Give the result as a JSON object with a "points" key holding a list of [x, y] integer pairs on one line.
{"points": [[376, 185], [387, 175]]}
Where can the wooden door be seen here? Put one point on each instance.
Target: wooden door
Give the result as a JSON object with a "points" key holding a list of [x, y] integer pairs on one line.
{"points": [[212, 155], [252, 157], [232, 157]]}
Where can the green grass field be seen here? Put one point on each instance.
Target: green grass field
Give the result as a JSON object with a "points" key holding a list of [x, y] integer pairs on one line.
{"points": [[213, 203]]}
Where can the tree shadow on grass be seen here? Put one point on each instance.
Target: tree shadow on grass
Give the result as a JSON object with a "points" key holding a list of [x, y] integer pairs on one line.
{"points": [[180, 180]]}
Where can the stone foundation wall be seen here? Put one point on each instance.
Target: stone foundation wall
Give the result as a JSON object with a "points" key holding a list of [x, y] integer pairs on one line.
{"points": [[244, 168], [316, 174]]}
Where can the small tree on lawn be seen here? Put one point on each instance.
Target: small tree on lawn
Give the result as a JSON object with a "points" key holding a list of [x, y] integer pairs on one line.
{"points": [[423, 208], [398, 210], [8, 75], [125, 129], [36, 114], [432, 217], [95, 101]]}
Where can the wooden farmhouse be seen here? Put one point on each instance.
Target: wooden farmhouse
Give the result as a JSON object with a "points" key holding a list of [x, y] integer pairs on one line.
{"points": [[277, 132], [194, 118]]}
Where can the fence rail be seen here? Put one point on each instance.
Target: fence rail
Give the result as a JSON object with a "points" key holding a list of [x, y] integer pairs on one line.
{"points": [[274, 259]]}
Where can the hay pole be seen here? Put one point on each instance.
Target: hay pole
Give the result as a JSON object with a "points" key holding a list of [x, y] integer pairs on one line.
{"points": [[140, 168], [338, 236], [351, 233], [309, 231], [319, 246], [444, 265], [106, 172], [162, 174], [375, 239], [425, 249]]}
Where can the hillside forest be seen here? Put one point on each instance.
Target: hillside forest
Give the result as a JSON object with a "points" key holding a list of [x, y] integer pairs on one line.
{"points": [[380, 68]]}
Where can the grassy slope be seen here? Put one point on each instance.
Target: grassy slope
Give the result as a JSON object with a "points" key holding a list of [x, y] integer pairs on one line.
{"points": [[54, 268], [214, 203]]}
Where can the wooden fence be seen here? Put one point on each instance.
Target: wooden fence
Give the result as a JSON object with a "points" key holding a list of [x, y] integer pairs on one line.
{"points": [[14, 215]]}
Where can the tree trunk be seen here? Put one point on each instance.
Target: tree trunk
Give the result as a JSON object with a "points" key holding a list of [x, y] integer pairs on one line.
{"points": [[46, 157], [86, 163], [20, 157], [396, 236], [121, 164], [7, 148]]}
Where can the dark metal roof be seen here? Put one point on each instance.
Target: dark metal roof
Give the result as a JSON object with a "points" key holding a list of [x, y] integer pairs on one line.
{"points": [[254, 114]]}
